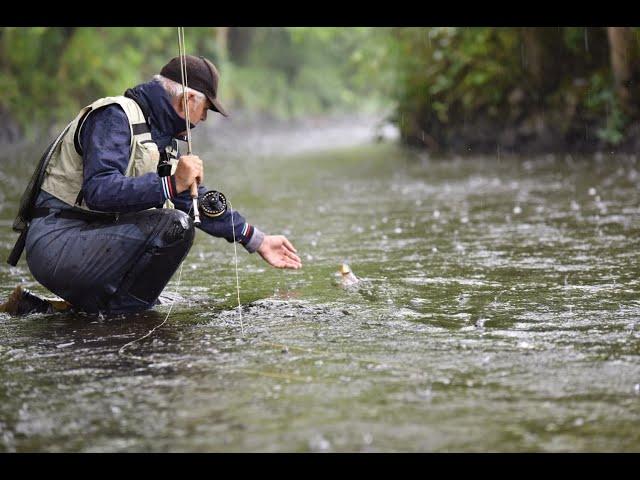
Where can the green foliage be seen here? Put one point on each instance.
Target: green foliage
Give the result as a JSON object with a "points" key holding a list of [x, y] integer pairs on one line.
{"points": [[602, 98], [448, 76], [432, 78], [452, 70], [290, 72], [48, 73]]}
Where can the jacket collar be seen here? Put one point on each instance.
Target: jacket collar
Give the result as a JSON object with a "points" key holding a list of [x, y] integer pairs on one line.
{"points": [[163, 120]]}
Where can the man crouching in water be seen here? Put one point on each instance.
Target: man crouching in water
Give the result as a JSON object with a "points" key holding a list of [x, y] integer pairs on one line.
{"points": [[96, 234]]}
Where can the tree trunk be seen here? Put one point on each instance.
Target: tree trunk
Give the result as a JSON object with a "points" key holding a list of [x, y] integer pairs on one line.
{"points": [[543, 58], [623, 56], [222, 41], [239, 43]]}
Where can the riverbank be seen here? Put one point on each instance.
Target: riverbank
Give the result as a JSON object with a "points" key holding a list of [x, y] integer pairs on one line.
{"points": [[535, 134], [246, 133]]}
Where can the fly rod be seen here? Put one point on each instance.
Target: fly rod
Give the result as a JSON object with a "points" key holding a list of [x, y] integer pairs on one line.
{"points": [[183, 72]]}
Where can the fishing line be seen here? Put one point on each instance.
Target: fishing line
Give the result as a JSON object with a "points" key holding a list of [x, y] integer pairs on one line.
{"points": [[183, 67], [183, 73], [173, 300], [121, 351], [182, 55], [235, 254]]}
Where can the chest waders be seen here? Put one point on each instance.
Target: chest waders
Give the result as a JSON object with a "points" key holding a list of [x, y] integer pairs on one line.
{"points": [[100, 261], [59, 171]]}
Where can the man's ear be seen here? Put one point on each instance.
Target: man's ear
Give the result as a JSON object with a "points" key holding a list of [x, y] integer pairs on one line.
{"points": [[180, 104], [191, 97]]}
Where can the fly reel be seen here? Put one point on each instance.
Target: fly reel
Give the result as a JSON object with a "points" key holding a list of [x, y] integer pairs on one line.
{"points": [[213, 204]]}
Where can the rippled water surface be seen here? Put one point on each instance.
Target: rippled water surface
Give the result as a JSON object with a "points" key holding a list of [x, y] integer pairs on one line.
{"points": [[498, 311]]}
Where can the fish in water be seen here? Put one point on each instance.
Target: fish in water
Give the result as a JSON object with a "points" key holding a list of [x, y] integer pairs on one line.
{"points": [[346, 277]]}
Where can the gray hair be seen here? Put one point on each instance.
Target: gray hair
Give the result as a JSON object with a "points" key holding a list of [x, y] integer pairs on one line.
{"points": [[174, 89]]}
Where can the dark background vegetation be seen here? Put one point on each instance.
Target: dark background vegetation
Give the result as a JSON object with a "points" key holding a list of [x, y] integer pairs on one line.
{"points": [[448, 89]]}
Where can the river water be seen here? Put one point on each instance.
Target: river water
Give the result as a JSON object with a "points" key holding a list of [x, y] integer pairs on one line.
{"points": [[498, 311]]}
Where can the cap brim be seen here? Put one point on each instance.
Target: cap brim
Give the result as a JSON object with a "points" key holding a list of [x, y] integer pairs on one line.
{"points": [[216, 106]]}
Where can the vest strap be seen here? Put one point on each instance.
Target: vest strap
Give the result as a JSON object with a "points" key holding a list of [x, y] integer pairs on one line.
{"points": [[76, 135], [140, 128], [80, 197], [18, 248]]}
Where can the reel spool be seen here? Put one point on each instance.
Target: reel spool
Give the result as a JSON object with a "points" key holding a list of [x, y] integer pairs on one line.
{"points": [[213, 204]]}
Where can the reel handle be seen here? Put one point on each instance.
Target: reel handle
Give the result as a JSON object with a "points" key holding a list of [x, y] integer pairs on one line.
{"points": [[194, 197]]}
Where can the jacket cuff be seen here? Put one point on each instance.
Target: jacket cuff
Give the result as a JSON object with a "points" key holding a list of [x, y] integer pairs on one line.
{"points": [[255, 241], [169, 187]]}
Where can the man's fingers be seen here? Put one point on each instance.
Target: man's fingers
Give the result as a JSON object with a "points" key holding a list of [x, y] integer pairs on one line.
{"points": [[292, 255], [296, 263], [279, 253], [287, 263], [288, 244]]}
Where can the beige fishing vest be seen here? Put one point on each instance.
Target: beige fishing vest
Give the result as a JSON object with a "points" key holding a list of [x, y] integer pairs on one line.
{"points": [[63, 177]]}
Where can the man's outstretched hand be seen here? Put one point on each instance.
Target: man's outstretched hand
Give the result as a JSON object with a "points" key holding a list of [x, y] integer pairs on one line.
{"points": [[278, 252]]}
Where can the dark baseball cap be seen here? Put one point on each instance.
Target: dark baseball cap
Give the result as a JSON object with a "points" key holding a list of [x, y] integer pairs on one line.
{"points": [[202, 75]]}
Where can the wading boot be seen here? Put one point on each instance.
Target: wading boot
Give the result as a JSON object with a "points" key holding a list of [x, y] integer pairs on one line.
{"points": [[23, 302]]}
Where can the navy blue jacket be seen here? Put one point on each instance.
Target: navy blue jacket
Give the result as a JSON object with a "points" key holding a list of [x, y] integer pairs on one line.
{"points": [[105, 140]]}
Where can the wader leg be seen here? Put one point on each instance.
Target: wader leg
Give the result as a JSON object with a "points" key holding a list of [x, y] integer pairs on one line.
{"points": [[169, 245], [109, 266]]}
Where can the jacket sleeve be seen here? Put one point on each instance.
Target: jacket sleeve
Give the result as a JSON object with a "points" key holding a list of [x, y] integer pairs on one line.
{"points": [[223, 226], [105, 139]]}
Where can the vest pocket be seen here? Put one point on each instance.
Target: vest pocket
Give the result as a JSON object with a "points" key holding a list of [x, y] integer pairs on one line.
{"points": [[145, 159]]}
